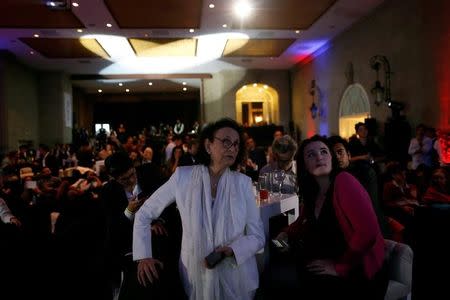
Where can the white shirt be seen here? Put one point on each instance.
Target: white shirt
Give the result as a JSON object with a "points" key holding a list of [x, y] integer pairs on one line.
{"points": [[423, 157]]}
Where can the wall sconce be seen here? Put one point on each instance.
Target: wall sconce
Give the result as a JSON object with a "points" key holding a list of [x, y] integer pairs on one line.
{"points": [[313, 108], [381, 93]]}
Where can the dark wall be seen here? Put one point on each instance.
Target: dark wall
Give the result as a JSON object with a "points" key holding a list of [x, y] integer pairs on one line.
{"points": [[137, 115]]}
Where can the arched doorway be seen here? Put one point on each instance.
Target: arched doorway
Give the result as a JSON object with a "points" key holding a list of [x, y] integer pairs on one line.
{"points": [[354, 108], [257, 104]]}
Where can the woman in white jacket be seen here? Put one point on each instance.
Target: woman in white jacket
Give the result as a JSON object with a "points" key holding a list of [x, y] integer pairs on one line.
{"points": [[219, 214]]}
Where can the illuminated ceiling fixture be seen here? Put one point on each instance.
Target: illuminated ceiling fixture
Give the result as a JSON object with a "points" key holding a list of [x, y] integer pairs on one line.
{"points": [[99, 90], [127, 90], [185, 89], [212, 5], [184, 83], [75, 4], [79, 30], [224, 25], [191, 30], [242, 9], [150, 83], [109, 25], [36, 35], [120, 83], [59, 4]]}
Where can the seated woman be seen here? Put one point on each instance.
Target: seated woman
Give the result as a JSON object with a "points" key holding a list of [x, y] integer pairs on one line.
{"points": [[439, 190], [336, 239], [399, 197]]}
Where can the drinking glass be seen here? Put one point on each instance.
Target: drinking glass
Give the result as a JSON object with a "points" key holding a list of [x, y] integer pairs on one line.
{"points": [[279, 177]]}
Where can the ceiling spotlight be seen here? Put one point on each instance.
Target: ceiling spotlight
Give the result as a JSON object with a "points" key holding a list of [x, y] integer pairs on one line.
{"points": [[99, 90], [75, 4], [224, 25], [191, 30], [255, 84], [31, 52], [127, 90], [297, 31], [120, 83], [108, 25], [184, 83], [36, 35], [185, 89], [150, 83], [58, 4], [266, 87], [212, 5], [242, 9], [79, 30]]}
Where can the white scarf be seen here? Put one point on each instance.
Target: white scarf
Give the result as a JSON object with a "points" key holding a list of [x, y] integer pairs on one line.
{"points": [[205, 219]]}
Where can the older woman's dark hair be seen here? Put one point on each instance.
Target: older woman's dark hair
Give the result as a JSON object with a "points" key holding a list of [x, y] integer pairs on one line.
{"points": [[209, 132], [308, 185]]}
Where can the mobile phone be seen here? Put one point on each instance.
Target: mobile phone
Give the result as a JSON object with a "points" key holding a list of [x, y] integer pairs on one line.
{"points": [[214, 258]]}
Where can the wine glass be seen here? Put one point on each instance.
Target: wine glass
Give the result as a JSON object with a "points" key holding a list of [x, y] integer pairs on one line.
{"points": [[279, 177]]}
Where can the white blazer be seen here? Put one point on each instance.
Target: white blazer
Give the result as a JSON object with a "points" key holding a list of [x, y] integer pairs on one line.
{"points": [[232, 221]]}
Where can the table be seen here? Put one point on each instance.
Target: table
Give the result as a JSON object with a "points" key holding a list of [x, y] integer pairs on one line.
{"points": [[275, 205]]}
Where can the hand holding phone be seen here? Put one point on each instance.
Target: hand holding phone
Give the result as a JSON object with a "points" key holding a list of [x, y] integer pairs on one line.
{"points": [[214, 258]]}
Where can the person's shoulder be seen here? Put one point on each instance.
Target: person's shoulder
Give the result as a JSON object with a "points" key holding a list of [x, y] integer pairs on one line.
{"points": [[241, 177], [345, 177]]}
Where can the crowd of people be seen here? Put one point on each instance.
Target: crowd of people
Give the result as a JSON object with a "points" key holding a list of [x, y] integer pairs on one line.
{"points": [[134, 217]]}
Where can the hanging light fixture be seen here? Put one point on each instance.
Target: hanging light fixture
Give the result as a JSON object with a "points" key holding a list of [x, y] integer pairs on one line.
{"points": [[382, 94]]}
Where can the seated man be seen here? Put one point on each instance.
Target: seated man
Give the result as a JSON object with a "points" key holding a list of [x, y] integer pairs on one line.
{"points": [[284, 150]]}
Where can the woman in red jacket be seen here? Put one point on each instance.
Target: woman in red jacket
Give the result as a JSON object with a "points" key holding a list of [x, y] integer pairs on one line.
{"points": [[336, 239]]}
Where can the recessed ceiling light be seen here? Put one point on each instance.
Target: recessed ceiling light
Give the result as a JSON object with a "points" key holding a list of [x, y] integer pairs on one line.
{"points": [[108, 25], [75, 4], [242, 9], [211, 5], [80, 30], [51, 3], [31, 52], [99, 90], [224, 25], [150, 83], [127, 90], [120, 83], [266, 87], [184, 83], [185, 89], [146, 35], [36, 35], [191, 30], [297, 31], [255, 84]]}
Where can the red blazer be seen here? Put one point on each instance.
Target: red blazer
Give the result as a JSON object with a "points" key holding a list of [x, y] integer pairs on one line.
{"points": [[358, 223]]}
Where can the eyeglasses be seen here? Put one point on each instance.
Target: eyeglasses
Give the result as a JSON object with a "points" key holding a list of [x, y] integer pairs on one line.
{"points": [[227, 144]]}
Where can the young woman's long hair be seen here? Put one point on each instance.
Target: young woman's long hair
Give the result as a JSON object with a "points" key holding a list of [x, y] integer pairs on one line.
{"points": [[308, 187]]}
